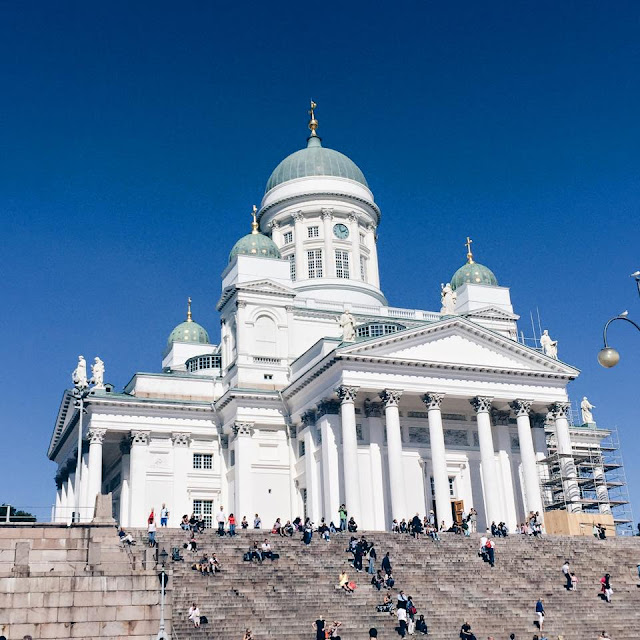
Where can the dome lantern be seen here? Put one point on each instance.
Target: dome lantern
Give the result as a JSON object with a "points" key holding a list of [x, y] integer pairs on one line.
{"points": [[189, 331]]}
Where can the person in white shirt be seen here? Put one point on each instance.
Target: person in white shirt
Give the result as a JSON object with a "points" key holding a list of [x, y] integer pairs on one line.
{"points": [[402, 621], [151, 529], [164, 515], [266, 550], [257, 523], [221, 518], [567, 574], [194, 615]]}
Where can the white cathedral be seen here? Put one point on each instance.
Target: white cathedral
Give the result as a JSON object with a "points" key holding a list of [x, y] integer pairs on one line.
{"points": [[319, 393]]}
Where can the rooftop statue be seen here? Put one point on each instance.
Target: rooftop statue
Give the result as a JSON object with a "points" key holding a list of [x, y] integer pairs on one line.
{"points": [[97, 373], [585, 408], [549, 346], [79, 375], [348, 324], [448, 299]]}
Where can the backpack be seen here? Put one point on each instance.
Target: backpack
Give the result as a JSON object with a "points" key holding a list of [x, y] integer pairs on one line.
{"points": [[413, 610]]}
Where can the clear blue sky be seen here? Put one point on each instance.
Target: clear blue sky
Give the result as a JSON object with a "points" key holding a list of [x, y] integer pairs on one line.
{"points": [[134, 138]]}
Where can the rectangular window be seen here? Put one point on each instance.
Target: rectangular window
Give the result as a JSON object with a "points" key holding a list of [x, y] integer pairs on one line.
{"points": [[342, 263], [362, 239], [203, 461], [363, 268], [314, 232], [292, 266], [204, 508], [314, 259], [452, 491], [288, 237], [301, 449]]}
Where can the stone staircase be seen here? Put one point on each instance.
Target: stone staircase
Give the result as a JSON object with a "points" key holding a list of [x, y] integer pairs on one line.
{"points": [[448, 581]]}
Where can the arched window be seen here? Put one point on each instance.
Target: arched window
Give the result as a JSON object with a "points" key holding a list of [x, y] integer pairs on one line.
{"points": [[265, 336]]}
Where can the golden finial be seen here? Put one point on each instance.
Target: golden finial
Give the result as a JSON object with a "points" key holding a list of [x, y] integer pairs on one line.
{"points": [[189, 310], [254, 224], [313, 123], [469, 254]]}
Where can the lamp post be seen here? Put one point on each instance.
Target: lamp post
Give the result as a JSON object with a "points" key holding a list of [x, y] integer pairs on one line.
{"points": [[162, 576], [608, 356], [80, 392]]}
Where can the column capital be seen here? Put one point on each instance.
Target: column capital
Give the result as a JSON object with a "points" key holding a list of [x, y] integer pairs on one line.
{"points": [[297, 216], [326, 213], [521, 407], [432, 400], [372, 409], [180, 439], [499, 418], [96, 436], [274, 224], [241, 304], [242, 429], [482, 404], [125, 446], [560, 409], [58, 480], [308, 418], [140, 437], [390, 397], [352, 217], [328, 407], [347, 393]]}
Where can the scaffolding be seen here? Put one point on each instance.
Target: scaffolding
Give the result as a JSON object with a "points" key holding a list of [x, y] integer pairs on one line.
{"points": [[591, 479]]}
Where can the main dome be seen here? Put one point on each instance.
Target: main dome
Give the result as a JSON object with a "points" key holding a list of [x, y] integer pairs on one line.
{"points": [[315, 160]]}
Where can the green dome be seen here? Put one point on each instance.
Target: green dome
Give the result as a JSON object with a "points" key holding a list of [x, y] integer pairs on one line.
{"points": [[189, 331], [315, 160], [255, 244], [475, 274]]}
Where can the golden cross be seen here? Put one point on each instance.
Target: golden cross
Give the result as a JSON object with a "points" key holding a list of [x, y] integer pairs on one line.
{"points": [[469, 254], [189, 309], [313, 106], [254, 224], [313, 123]]}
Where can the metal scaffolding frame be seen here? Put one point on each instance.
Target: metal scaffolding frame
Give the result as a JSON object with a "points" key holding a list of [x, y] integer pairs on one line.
{"points": [[600, 474]]}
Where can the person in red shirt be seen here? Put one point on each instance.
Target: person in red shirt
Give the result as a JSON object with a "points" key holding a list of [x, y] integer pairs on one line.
{"points": [[232, 525]]}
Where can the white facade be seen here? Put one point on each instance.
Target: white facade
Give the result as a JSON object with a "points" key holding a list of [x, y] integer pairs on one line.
{"points": [[282, 418]]}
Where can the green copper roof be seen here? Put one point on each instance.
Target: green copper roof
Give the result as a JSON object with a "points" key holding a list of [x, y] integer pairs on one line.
{"points": [[189, 331], [315, 160], [255, 244], [475, 274]]}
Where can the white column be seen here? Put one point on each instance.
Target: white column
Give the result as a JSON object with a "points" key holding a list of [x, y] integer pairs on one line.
{"points": [[86, 511], [560, 411], [276, 234], [505, 472], [242, 343], [96, 437], [243, 479], [181, 466], [347, 397], [602, 493], [314, 508], [125, 468], [482, 405], [61, 516], [355, 247], [71, 499], [58, 506], [438, 459], [327, 231], [139, 458], [373, 412], [302, 272], [390, 398], [328, 422], [374, 275], [530, 475]]}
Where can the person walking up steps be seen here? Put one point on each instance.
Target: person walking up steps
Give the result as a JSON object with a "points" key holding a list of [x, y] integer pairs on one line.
{"points": [[567, 574], [540, 613], [221, 518]]}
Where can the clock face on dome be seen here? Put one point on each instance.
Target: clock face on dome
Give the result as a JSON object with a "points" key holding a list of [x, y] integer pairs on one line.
{"points": [[341, 231]]}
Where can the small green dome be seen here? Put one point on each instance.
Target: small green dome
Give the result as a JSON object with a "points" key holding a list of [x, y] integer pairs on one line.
{"points": [[255, 244], [475, 274], [315, 160], [189, 331]]}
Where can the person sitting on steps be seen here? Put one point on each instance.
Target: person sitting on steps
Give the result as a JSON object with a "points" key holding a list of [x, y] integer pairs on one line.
{"points": [[343, 582], [465, 632], [386, 606]]}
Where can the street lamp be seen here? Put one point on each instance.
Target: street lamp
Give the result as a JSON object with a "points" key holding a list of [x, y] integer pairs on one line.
{"points": [[608, 356], [164, 578], [81, 390]]}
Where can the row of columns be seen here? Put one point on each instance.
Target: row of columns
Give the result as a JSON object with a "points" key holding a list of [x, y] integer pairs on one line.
{"points": [[494, 510]]}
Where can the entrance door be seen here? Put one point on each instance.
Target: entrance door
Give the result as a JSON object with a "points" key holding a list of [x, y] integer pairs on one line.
{"points": [[457, 509]]}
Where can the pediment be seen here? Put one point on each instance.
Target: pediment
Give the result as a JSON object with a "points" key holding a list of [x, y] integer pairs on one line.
{"points": [[491, 313], [457, 343], [266, 286]]}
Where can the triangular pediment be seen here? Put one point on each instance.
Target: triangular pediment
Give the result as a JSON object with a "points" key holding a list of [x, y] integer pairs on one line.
{"points": [[457, 343], [491, 313], [266, 286]]}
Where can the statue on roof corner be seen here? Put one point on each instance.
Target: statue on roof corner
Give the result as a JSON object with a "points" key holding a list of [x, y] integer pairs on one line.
{"points": [[448, 298], [97, 373], [585, 408], [549, 346], [348, 324], [79, 375]]}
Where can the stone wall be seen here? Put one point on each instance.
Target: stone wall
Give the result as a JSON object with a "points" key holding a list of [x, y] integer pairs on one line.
{"points": [[77, 581]]}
